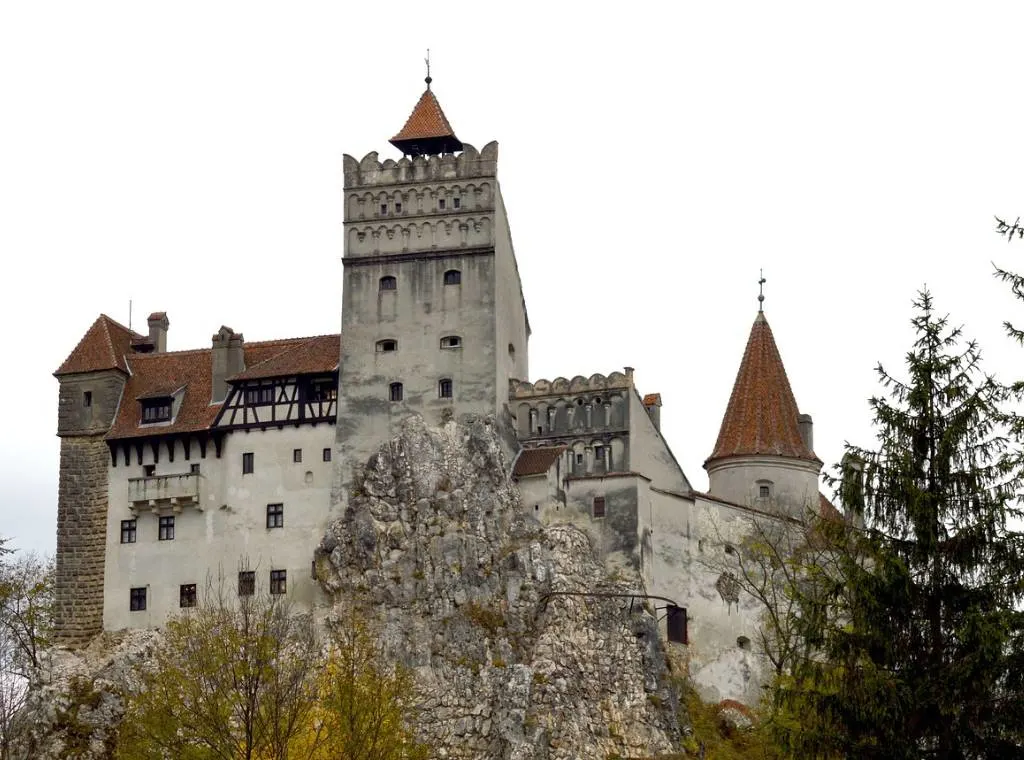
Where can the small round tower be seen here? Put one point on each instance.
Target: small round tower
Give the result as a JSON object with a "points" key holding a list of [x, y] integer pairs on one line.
{"points": [[764, 456]]}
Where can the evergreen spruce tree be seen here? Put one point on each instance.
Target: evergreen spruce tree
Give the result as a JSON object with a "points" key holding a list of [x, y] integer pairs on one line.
{"points": [[916, 624]]}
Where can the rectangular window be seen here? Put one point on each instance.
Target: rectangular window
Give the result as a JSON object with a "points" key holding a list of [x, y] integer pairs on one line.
{"points": [[157, 410], [137, 600], [440, 204], [187, 595], [579, 459], [444, 388], [327, 455], [456, 202], [598, 506], [764, 492], [599, 454], [275, 515], [166, 529], [297, 456], [247, 583], [128, 531], [278, 581], [194, 469], [396, 391], [149, 470], [383, 208], [259, 396], [323, 390], [87, 399], [398, 207], [247, 463]]}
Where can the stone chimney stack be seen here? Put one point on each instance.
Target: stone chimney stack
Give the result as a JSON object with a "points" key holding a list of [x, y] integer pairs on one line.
{"points": [[806, 425], [228, 360], [158, 324], [652, 403]]}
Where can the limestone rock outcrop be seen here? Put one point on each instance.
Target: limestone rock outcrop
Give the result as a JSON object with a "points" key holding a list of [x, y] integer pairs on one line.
{"points": [[478, 598]]}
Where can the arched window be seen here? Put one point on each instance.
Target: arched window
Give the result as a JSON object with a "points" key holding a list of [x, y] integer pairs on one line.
{"points": [[387, 346], [444, 388], [388, 283], [451, 341], [396, 391], [453, 277]]}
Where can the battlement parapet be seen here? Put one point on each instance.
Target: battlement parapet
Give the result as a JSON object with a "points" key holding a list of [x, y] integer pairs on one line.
{"points": [[370, 171], [523, 389]]}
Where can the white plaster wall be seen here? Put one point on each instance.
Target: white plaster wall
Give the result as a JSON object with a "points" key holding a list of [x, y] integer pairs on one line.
{"points": [[510, 309], [230, 527], [793, 482], [649, 452]]}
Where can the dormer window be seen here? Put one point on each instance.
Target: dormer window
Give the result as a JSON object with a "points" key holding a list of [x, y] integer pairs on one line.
{"points": [[323, 390], [388, 283], [156, 410], [451, 341], [453, 277], [259, 396]]}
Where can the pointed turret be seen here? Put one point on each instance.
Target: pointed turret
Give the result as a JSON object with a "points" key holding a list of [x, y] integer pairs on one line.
{"points": [[764, 450], [427, 131]]}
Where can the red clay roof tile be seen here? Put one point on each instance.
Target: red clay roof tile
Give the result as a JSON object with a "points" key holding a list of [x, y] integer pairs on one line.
{"points": [[308, 356], [426, 120], [536, 461], [104, 346], [762, 414], [652, 399]]}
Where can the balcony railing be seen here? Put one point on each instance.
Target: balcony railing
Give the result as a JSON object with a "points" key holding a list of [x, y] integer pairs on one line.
{"points": [[162, 491]]}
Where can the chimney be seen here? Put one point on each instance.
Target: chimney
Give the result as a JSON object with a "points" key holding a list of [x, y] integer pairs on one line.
{"points": [[158, 324], [806, 425], [228, 360], [652, 403]]}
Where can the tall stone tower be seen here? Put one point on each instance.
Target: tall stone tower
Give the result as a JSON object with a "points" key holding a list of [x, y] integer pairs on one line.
{"points": [[764, 456], [91, 380], [433, 315]]}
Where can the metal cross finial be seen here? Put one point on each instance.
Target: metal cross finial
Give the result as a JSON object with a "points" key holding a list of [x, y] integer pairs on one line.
{"points": [[428, 80], [760, 292]]}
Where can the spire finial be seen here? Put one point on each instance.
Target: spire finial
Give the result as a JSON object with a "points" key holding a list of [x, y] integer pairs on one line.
{"points": [[760, 292], [428, 80]]}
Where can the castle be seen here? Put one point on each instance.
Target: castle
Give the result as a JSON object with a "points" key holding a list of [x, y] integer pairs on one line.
{"points": [[228, 462]]}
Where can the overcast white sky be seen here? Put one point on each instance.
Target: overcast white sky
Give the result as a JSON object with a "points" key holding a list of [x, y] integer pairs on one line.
{"points": [[653, 158]]}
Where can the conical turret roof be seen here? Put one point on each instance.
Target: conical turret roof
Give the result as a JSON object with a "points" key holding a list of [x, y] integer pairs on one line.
{"points": [[762, 414], [427, 130]]}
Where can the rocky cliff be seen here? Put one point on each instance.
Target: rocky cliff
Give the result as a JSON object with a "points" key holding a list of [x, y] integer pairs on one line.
{"points": [[480, 600]]}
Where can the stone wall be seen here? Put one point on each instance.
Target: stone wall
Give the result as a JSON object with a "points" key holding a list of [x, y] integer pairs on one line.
{"points": [[81, 528]]}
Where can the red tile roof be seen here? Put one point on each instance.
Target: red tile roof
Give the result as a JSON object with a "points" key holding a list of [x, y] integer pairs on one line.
{"points": [[827, 509], [426, 120], [761, 417], [104, 346], [652, 399], [536, 461], [161, 374]]}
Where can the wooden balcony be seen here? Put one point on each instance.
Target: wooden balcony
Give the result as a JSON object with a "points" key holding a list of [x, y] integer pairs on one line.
{"points": [[164, 493]]}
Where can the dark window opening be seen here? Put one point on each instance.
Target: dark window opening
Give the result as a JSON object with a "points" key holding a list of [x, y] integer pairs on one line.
{"points": [[297, 455], [444, 388], [278, 581], [247, 583], [387, 346], [129, 531], [137, 600], [87, 399], [259, 396], [729, 549], [323, 390], [676, 624], [388, 283], [383, 208], [440, 204], [511, 350], [166, 529], [327, 455], [453, 277], [247, 463], [764, 492], [195, 468], [743, 642], [456, 202], [395, 391], [398, 207], [451, 341], [275, 515], [540, 430], [599, 453], [579, 459], [149, 470], [598, 506], [157, 410], [187, 595]]}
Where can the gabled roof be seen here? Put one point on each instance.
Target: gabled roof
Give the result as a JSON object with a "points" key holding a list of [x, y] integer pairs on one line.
{"points": [[104, 346], [762, 414], [427, 129], [191, 372], [536, 461]]}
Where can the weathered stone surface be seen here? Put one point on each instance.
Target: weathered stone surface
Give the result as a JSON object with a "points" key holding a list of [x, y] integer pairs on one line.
{"points": [[434, 536]]}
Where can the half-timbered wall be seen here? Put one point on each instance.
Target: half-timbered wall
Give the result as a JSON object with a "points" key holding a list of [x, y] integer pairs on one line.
{"points": [[290, 400], [228, 525]]}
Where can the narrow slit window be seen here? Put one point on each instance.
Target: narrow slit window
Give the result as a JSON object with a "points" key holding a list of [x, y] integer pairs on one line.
{"points": [[453, 277], [395, 391], [248, 463], [87, 399], [444, 388], [297, 456], [388, 283]]}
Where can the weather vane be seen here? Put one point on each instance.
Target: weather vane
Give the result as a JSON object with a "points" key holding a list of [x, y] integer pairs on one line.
{"points": [[760, 292], [426, 60]]}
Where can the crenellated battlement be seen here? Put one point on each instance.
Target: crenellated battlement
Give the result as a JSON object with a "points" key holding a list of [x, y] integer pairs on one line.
{"points": [[523, 389], [370, 171]]}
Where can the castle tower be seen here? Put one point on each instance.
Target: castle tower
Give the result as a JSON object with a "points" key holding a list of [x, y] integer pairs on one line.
{"points": [[433, 316], [91, 381], [764, 456]]}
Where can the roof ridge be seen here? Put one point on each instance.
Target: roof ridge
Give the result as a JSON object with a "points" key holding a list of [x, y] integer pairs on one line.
{"points": [[114, 322]]}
